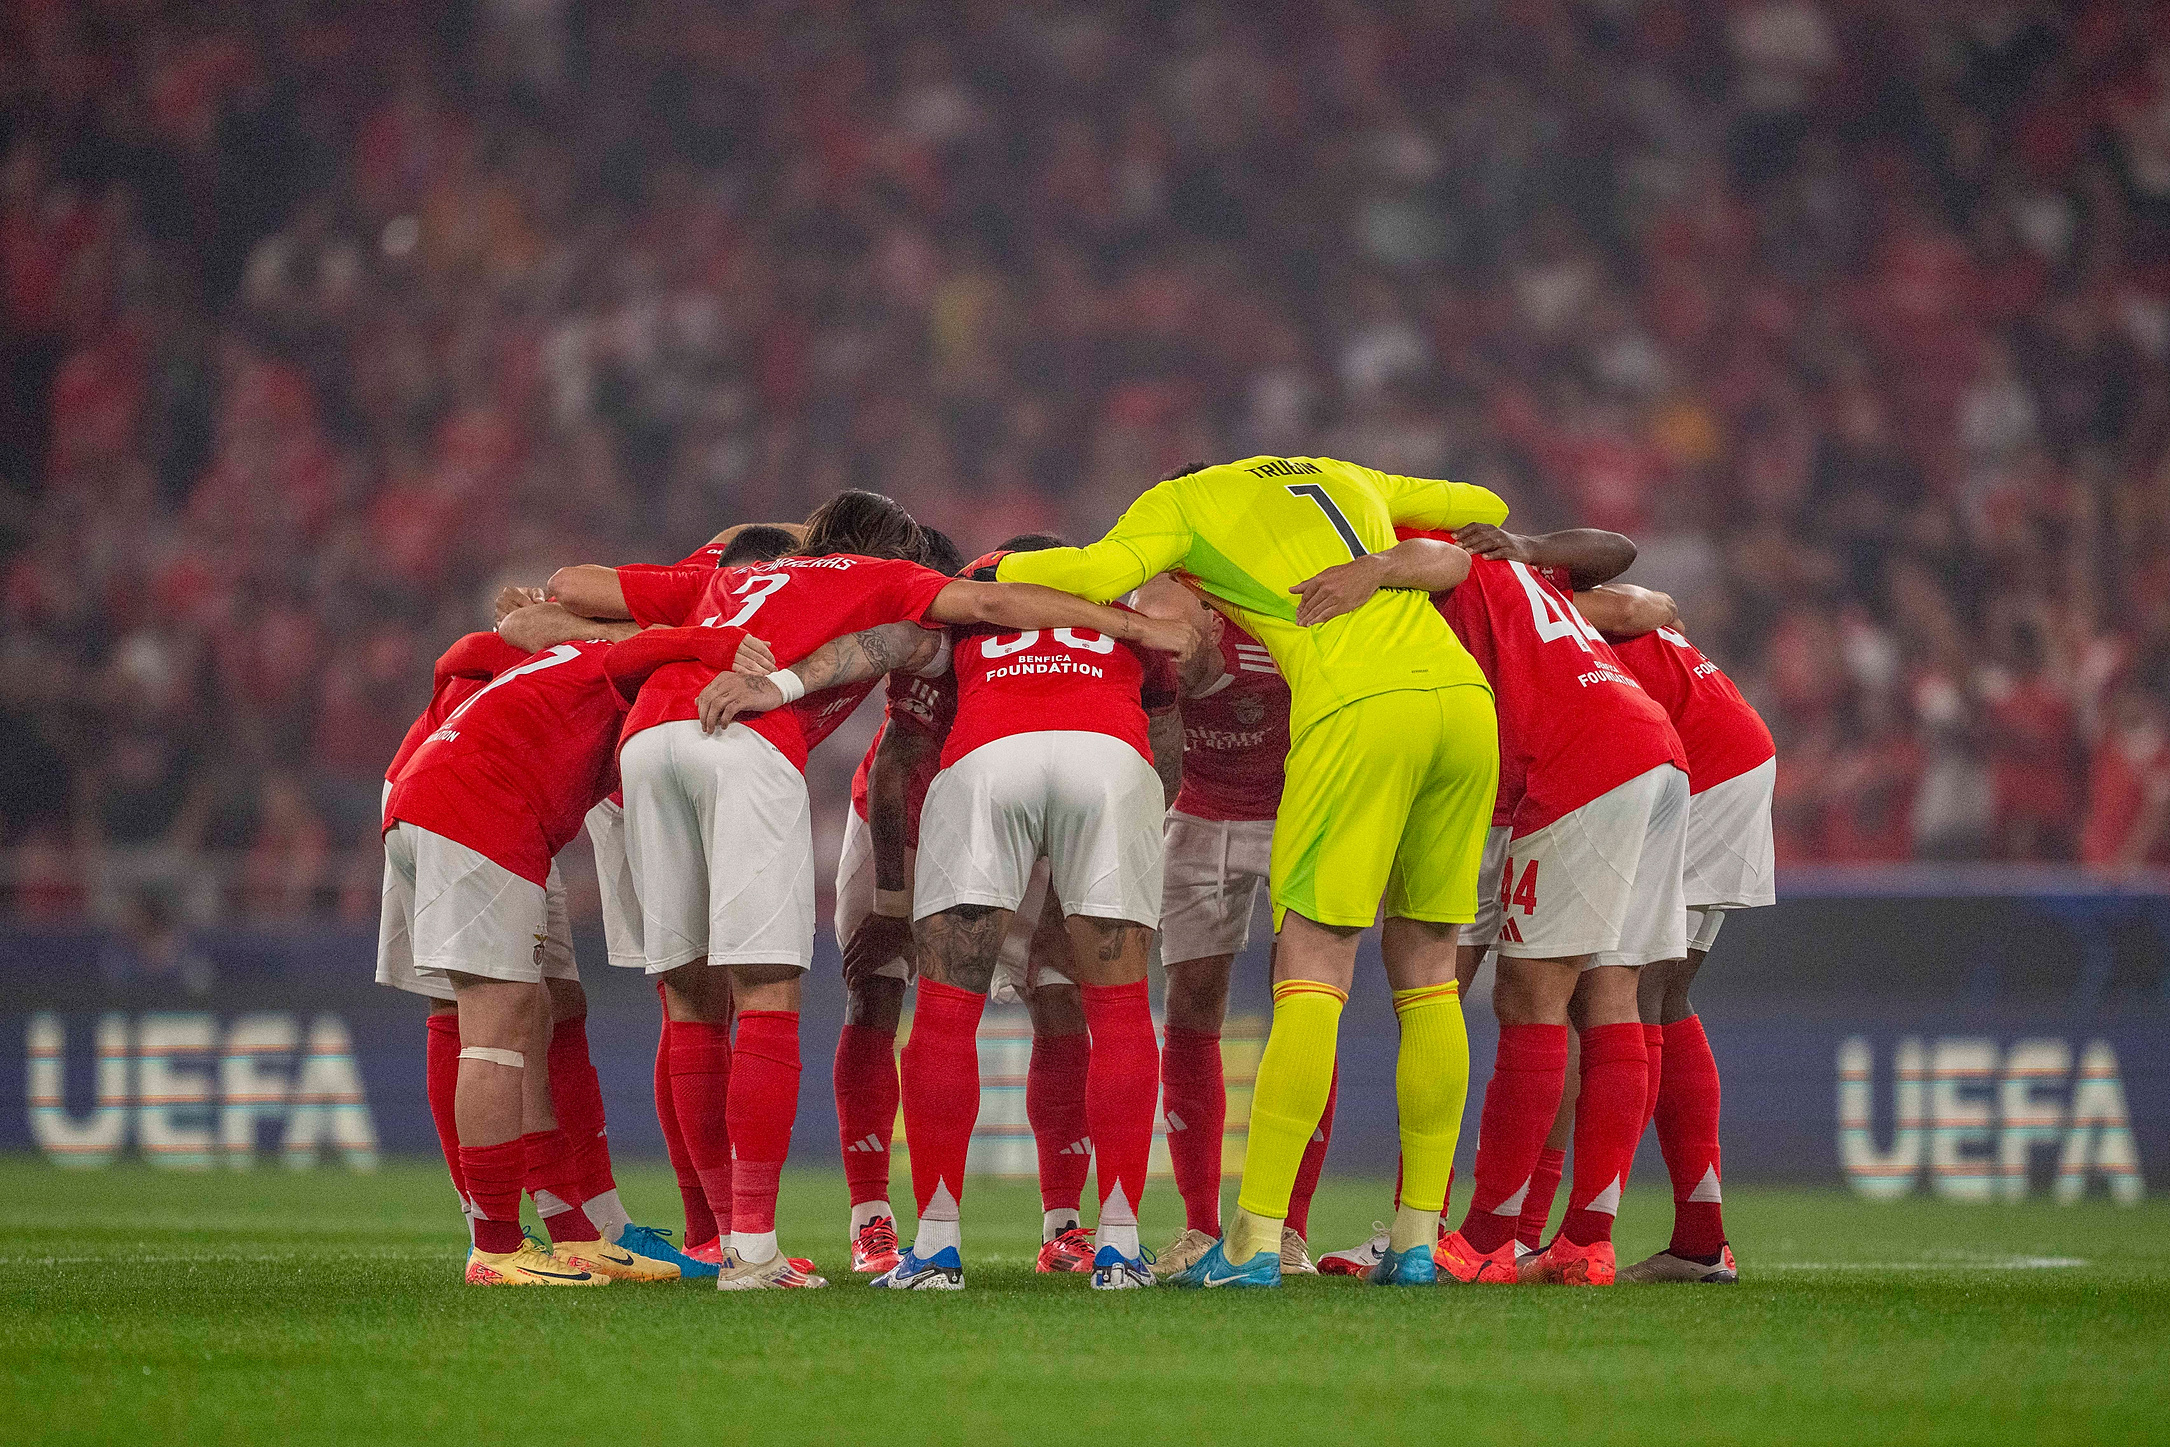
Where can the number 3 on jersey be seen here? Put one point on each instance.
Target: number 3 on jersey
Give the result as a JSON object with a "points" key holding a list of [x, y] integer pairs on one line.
{"points": [[766, 584]]}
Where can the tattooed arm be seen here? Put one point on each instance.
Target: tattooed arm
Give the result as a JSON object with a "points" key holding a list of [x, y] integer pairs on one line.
{"points": [[839, 663]]}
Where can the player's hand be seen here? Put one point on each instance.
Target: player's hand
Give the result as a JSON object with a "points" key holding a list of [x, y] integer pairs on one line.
{"points": [[511, 599], [1483, 540], [880, 939], [1178, 636], [753, 657], [1341, 589], [730, 694]]}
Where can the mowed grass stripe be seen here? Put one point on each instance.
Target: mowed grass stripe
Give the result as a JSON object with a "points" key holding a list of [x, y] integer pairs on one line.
{"points": [[241, 1307]]}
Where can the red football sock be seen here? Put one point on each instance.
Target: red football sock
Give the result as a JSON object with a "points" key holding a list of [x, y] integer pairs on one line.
{"points": [[701, 1090], [1313, 1165], [1654, 1074], [700, 1221], [493, 1175], [1055, 1105], [866, 1108], [764, 1100], [1519, 1104], [941, 1086], [1608, 1118], [576, 1095], [441, 1077], [1537, 1205], [1121, 1083], [1194, 1102], [552, 1157], [1688, 1134]]}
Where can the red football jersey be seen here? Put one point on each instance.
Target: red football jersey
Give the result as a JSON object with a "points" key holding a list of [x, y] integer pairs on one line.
{"points": [[1071, 679], [1573, 722], [923, 706], [794, 605], [464, 667], [1235, 735], [512, 772], [1722, 733]]}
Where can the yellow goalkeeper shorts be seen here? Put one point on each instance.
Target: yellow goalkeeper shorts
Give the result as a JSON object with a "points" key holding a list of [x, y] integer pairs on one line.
{"points": [[1388, 796]]}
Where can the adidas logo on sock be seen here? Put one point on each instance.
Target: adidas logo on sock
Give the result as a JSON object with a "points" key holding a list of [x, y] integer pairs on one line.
{"points": [[1083, 1146], [872, 1145], [1175, 1122]]}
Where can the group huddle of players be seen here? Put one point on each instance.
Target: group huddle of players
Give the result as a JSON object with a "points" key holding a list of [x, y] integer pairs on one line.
{"points": [[1351, 688]]}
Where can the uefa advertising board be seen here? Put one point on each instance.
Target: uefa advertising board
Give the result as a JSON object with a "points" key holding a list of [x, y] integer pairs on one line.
{"points": [[1979, 1043]]}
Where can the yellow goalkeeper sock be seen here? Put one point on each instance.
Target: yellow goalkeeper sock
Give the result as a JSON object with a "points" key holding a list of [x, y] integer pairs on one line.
{"points": [[1431, 1083], [1286, 1102]]}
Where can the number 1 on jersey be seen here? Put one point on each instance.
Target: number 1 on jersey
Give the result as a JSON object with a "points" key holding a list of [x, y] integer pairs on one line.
{"points": [[1334, 515]]}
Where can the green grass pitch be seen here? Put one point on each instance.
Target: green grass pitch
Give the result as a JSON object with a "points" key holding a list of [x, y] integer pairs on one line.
{"points": [[139, 1307]]}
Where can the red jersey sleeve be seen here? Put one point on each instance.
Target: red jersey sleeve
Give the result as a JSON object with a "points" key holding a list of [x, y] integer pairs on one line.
{"points": [[478, 655], [663, 595], [630, 662], [911, 588]]}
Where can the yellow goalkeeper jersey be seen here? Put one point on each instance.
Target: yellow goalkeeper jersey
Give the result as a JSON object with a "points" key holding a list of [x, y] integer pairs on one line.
{"points": [[1247, 531]]}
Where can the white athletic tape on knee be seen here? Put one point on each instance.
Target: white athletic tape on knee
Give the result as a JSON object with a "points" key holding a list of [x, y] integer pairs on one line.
{"points": [[511, 1058]]}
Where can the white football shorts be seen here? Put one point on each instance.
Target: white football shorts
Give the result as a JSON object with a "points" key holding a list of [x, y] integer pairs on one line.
{"points": [[447, 908], [1484, 929], [614, 881], [1085, 801], [721, 840], [1603, 880], [855, 890], [1730, 861], [1214, 870], [1703, 922]]}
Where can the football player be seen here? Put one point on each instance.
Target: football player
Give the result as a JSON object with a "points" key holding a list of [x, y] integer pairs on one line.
{"points": [[1391, 769], [718, 825]]}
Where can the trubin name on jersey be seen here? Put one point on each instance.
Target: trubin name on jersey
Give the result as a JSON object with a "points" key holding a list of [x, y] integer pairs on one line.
{"points": [[1025, 666]]}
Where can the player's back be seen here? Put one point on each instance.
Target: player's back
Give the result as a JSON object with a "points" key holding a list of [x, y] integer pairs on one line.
{"points": [[1261, 525], [1235, 736], [1249, 531], [1050, 679], [535, 744], [1573, 722], [1720, 730], [794, 605]]}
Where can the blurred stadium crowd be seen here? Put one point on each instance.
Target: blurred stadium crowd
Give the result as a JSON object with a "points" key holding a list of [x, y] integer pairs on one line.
{"points": [[319, 321]]}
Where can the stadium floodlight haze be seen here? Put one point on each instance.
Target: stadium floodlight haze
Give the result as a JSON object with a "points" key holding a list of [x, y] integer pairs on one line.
{"points": [[1522, 646]]}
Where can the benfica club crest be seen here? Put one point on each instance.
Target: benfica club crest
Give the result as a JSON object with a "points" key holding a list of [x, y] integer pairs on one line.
{"points": [[1249, 711]]}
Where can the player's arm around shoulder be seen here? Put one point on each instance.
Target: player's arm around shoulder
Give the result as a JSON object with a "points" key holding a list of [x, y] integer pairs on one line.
{"points": [[1028, 605], [1151, 537], [1622, 610], [1423, 564], [544, 625], [1431, 502], [1588, 556], [841, 662]]}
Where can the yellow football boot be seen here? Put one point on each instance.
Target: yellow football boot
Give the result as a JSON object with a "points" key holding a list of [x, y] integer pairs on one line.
{"points": [[531, 1265], [615, 1262]]}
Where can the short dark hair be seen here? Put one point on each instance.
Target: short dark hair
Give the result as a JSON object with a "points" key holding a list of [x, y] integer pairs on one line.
{"points": [[863, 523], [1031, 543], [756, 544], [1186, 470], [938, 551]]}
